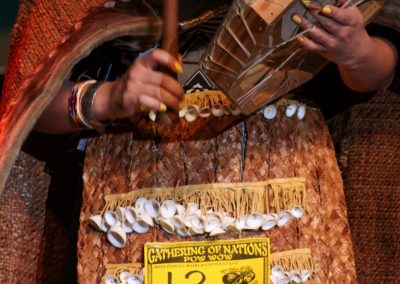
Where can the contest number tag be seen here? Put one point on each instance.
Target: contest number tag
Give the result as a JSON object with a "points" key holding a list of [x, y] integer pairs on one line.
{"points": [[244, 261]]}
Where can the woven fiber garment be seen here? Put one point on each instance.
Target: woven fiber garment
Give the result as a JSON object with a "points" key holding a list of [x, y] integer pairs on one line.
{"points": [[367, 137], [49, 38], [279, 148], [22, 222]]}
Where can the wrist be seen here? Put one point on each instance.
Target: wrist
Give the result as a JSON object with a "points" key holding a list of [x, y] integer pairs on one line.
{"points": [[102, 103]]}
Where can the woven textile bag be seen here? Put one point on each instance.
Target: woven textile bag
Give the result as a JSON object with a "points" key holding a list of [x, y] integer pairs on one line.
{"points": [[279, 148]]}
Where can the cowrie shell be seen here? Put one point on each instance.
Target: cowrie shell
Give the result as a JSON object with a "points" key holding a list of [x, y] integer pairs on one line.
{"points": [[290, 110], [269, 112], [301, 112]]}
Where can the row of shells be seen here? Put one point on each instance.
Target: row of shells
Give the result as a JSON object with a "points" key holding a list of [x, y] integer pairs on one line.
{"points": [[191, 112], [125, 277], [280, 276], [292, 110], [174, 218]]}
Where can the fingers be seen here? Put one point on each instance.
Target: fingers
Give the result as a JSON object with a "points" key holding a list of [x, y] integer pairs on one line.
{"points": [[316, 39], [159, 57], [346, 17]]}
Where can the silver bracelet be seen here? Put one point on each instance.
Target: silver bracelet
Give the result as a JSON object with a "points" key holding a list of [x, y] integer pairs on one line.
{"points": [[86, 107]]}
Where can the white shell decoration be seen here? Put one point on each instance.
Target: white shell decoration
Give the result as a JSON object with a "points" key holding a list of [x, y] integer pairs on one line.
{"points": [[139, 204], [111, 218], [127, 227], [301, 112], [297, 212], [167, 225], [217, 110], [168, 209], [104, 227], [235, 110], [269, 112], [182, 232], [96, 221], [152, 208], [109, 4], [254, 221], [124, 275], [280, 280], [180, 209], [211, 223], [146, 218], [227, 221], [277, 271], [227, 110], [217, 231], [290, 110], [152, 115], [270, 221], [284, 217], [191, 221], [141, 227], [117, 236], [120, 211], [131, 215], [134, 279], [205, 112], [305, 275], [295, 276], [193, 206], [183, 111], [177, 222], [191, 114], [111, 279]]}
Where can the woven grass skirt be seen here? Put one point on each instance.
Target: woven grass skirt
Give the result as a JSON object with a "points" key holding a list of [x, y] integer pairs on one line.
{"points": [[209, 152]]}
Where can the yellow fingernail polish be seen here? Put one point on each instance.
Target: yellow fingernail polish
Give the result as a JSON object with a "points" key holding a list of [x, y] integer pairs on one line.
{"points": [[300, 39], [326, 10], [306, 2], [178, 67], [296, 19], [163, 107]]}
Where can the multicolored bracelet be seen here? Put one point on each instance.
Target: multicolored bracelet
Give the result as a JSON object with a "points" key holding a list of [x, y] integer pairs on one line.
{"points": [[80, 104]]}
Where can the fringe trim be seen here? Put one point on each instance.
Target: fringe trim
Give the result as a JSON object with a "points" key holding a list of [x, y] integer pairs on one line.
{"points": [[238, 199], [298, 259], [205, 99], [116, 269]]}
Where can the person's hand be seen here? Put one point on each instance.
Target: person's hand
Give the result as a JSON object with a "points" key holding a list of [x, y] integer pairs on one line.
{"points": [[142, 85], [340, 35]]}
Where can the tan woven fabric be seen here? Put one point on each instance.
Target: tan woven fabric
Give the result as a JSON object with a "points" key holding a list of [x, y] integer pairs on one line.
{"points": [[368, 143], [280, 148]]}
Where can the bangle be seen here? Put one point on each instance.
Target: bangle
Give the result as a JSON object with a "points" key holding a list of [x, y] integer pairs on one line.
{"points": [[87, 104], [74, 102]]}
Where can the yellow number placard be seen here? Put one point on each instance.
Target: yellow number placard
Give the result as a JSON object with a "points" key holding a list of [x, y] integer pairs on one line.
{"points": [[245, 261]]}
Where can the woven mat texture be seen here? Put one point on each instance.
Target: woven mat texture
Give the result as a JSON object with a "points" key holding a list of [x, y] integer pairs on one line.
{"points": [[368, 144], [22, 222], [279, 148]]}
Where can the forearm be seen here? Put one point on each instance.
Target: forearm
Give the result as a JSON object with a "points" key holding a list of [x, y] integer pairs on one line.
{"points": [[373, 69], [56, 118]]}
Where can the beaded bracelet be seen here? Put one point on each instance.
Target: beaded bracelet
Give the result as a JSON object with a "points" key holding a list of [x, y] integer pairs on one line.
{"points": [[80, 104]]}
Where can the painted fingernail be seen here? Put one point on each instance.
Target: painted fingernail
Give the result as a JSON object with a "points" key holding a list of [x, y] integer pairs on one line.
{"points": [[300, 39], [326, 10], [306, 2], [163, 107], [178, 67], [296, 19]]}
